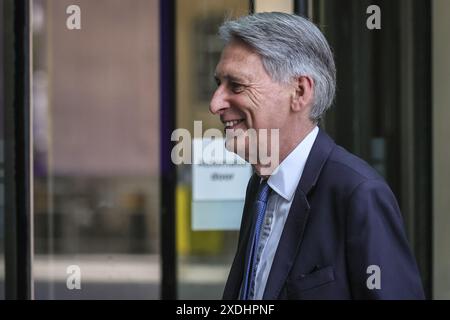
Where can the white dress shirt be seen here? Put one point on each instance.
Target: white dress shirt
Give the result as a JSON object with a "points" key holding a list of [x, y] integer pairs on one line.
{"points": [[284, 183]]}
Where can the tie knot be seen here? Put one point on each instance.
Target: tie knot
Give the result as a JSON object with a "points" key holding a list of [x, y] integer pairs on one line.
{"points": [[263, 191]]}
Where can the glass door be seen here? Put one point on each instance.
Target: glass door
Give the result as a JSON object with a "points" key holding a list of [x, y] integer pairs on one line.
{"points": [[205, 240], [208, 212], [382, 108], [96, 149]]}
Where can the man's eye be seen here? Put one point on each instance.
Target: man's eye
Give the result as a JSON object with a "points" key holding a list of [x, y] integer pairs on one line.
{"points": [[236, 87]]}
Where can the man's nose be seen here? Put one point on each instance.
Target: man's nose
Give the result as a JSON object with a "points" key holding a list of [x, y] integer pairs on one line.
{"points": [[218, 101]]}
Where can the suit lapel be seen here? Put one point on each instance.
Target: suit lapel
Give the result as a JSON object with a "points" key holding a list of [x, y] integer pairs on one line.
{"points": [[293, 231], [289, 243]]}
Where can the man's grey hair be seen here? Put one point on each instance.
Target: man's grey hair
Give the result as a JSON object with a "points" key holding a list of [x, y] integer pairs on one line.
{"points": [[290, 46]]}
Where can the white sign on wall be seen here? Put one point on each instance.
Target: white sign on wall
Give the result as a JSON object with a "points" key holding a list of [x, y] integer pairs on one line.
{"points": [[219, 182]]}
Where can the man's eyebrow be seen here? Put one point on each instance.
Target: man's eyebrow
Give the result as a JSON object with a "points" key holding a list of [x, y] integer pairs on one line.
{"points": [[234, 78]]}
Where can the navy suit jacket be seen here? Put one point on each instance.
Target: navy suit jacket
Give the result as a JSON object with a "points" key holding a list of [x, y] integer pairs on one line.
{"points": [[344, 219]]}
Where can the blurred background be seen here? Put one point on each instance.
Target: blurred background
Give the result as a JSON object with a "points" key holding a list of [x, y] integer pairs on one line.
{"points": [[105, 99]]}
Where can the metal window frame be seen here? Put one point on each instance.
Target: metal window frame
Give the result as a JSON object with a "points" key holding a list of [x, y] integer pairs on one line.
{"points": [[167, 168], [302, 7], [18, 152]]}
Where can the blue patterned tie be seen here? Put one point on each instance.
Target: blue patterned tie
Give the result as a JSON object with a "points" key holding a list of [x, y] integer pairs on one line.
{"points": [[259, 209]]}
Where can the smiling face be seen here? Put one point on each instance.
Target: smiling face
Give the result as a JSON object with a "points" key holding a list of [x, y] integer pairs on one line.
{"points": [[247, 97], [246, 94]]}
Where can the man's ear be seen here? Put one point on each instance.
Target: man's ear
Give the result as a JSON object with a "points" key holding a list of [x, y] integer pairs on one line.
{"points": [[304, 92]]}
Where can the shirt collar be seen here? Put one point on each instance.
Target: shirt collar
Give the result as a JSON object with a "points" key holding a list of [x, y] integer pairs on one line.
{"points": [[286, 177]]}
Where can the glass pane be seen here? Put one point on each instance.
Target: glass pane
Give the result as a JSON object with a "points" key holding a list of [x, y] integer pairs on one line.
{"points": [[204, 257], [96, 142]]}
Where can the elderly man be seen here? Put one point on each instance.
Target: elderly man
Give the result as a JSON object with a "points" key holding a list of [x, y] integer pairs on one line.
{"points": [[324, 224]]}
